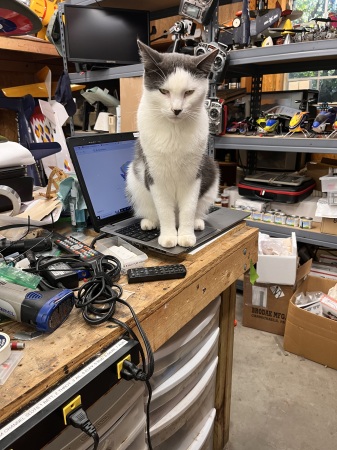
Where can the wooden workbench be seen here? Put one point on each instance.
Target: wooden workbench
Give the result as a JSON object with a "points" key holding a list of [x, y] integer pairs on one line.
{"points": [[162, 307]]}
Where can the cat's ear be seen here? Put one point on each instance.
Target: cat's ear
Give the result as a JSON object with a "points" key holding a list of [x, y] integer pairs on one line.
{"points": [[204, 62], [148, 55]]}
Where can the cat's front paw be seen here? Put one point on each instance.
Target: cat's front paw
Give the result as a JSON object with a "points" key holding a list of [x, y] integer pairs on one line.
{"points": [[199, 224], [186, 240], [167, 240], [147, 224]]}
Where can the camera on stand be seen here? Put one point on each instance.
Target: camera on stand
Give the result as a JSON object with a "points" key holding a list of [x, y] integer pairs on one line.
{"points": [[199, 10], [184, 32], [183, 27], [217, 115], [219, 66]]}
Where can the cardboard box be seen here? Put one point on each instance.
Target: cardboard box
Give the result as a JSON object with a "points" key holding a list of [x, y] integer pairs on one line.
{"points": [[265, 306], [307, 334], [329, 225], [322, 270], [316, 170], [278, 269]]}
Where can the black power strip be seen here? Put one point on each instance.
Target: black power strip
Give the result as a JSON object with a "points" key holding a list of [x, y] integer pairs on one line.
{"points": [[43, 421]]}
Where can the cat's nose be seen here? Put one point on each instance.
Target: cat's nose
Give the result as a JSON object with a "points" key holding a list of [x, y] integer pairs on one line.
{"points": [[177, 111]]}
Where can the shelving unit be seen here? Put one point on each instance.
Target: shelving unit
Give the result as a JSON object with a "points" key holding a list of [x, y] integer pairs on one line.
{"points": [[256, 62], [27, 49], [312, 236], [277, 144], [297, 57], [135, 70]]}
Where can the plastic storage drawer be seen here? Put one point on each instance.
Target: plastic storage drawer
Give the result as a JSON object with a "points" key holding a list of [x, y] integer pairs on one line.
{"points": [[187, 376], [196, 434], [167, 421], [185, 343]]}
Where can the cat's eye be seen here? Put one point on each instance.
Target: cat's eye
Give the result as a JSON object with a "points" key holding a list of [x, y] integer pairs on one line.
{"points": [[187, 93], [164, 91]]}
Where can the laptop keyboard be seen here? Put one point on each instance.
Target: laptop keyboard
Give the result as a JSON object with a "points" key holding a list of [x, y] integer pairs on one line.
{"points": [[213, 208], [136, 232]]}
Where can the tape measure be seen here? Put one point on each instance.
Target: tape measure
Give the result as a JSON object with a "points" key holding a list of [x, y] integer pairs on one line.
{"points": [[5, 347], [13, 196]]}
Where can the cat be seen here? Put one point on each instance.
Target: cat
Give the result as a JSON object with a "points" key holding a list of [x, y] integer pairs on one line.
{"points": [[172, 182]]}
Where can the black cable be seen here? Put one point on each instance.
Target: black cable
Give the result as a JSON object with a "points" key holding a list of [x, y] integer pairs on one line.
{"points": [[100, 236], [131, 334], [149, 389], [24, 235], [17, 240], [130, 371], [79, 419], [150, 369], [97, 297]]}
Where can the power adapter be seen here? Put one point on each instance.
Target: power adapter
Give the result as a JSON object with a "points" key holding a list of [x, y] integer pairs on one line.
{"points": [[61, 273]]}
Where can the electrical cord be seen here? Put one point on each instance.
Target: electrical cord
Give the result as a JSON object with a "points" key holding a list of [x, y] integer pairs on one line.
{"points": [[42, 264], [147, 368], [131, 371], [97, 238], [98, 298], [29, 226], [79, 419]]}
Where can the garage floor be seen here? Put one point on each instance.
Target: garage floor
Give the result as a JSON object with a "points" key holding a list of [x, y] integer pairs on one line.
{"points": [[279, 400]]}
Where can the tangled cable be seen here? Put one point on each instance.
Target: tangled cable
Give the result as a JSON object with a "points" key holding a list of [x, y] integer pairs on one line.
{"points": [[97, 297]]}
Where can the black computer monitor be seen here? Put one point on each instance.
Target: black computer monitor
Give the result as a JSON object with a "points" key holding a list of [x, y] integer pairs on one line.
{"points": [[104, 36]]}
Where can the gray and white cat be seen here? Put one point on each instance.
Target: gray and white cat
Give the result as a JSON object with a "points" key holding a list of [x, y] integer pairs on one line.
{"points": [[172, 181]]}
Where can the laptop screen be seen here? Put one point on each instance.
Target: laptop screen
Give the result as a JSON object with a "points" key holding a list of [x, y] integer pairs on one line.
{"points": [[100, 164]]}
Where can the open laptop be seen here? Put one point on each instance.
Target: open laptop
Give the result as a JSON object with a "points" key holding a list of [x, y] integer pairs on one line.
{"points": [[279, 179], [100, 163]]}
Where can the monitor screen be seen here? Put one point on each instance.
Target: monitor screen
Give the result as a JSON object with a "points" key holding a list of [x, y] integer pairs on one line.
{"points": [[104, 35]]}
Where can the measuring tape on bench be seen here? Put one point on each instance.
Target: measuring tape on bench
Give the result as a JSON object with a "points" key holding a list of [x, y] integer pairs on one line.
{"points": [[5, 347], [13, 196]]}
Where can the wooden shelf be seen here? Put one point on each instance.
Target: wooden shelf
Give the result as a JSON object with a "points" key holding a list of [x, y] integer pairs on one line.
{"points": [[28, 45]]}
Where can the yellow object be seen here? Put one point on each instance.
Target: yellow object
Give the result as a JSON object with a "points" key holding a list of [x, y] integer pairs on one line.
{"points": [[42, 33], [287, 26], [39, 89], [44, 88], [70, 407], [120, 366], [44, 9], [267, 42]]}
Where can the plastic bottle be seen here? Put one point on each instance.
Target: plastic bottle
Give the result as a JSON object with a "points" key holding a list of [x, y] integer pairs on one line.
{"points": [[78, 219], [225, 199]]}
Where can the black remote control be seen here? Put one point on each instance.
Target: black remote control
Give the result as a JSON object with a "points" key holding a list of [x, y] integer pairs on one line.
{"points": [[156, 273], [77, 248]]}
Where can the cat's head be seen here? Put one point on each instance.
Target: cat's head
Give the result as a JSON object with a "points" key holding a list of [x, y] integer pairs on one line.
{"points": [[176, 84]]}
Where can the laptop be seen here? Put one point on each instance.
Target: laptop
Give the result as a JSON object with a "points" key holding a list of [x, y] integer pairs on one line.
{"points": [[100, 163]]}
